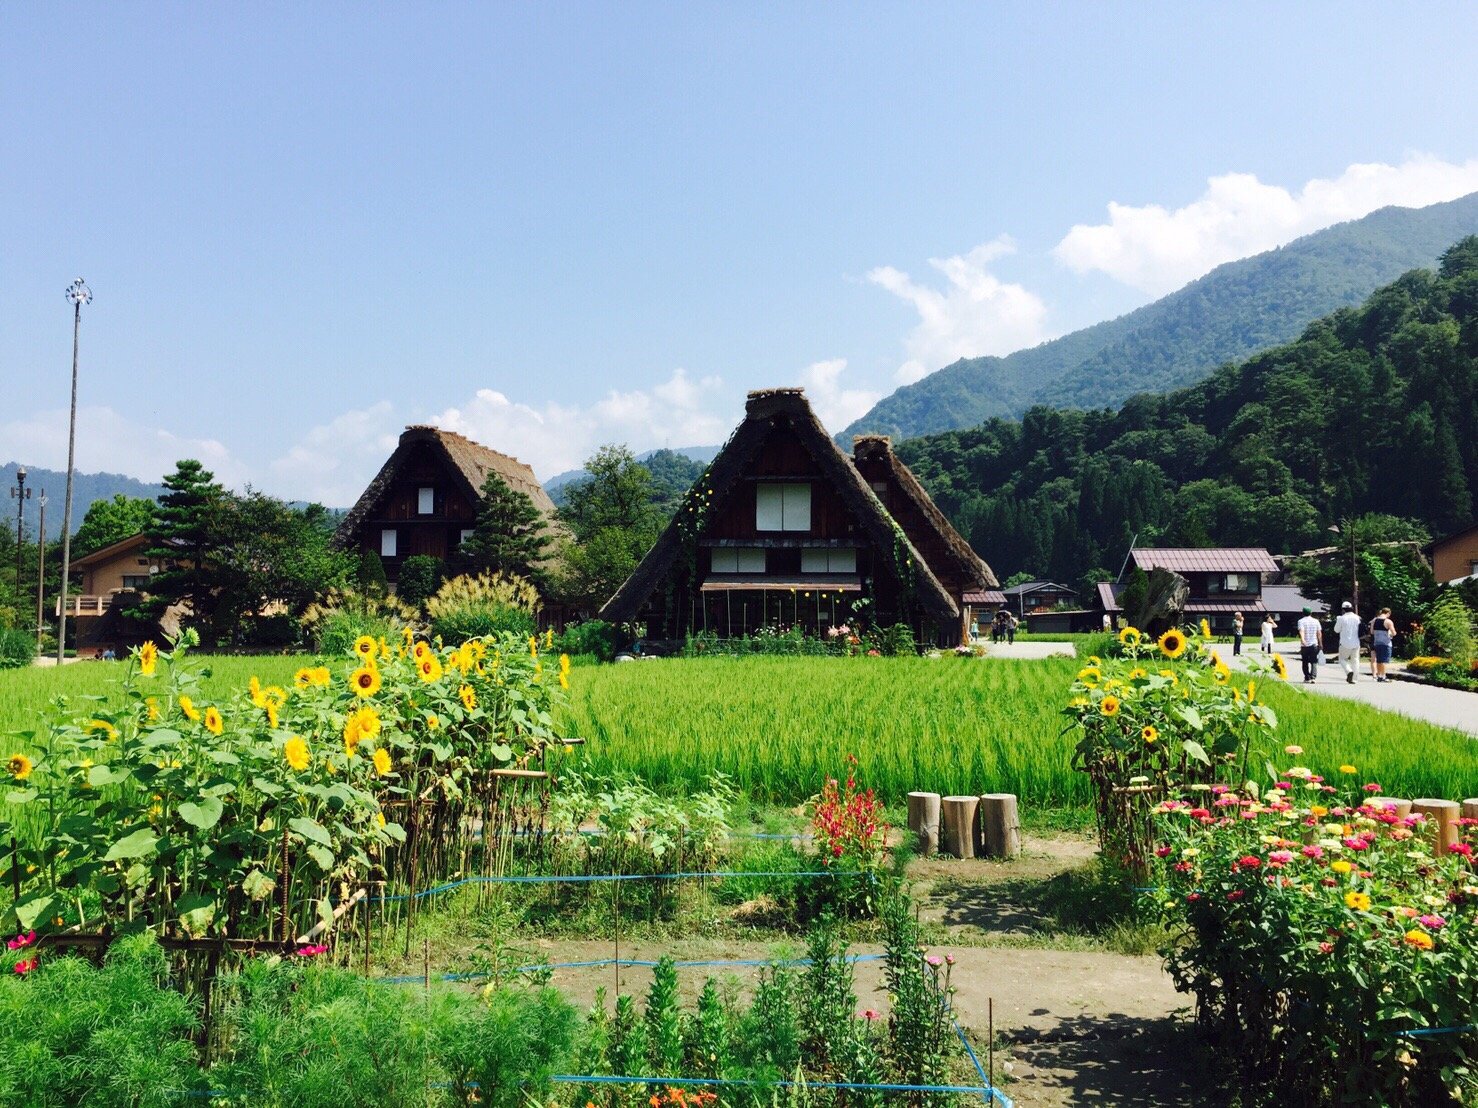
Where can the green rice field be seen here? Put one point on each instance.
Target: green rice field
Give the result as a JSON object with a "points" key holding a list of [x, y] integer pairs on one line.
{"points": [[779, 726]]}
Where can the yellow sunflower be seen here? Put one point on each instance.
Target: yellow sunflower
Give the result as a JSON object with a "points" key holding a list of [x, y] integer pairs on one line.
{"points": [[429, 668], [420, 650], [1172, 643], [296, 753], [148, 658], [363, 723], [303, 679], [1130, 636], [433, 722], [187, 706], [20, 766], [213, 722], [1137, 674], [1280, 667], [1149, 733], [533, 646], [564, 671], [152, 705], [469, 697], [1090, 675], [1223, 674], [103, 727], [1205, 629], [381, 759], [1109, 705], [1251, 691], [365, 681], [366, 647]]}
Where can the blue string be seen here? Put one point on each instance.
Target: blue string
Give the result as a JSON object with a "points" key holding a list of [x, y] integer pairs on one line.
{"points": [[416, 978], [590, 878], [985, 1090]]}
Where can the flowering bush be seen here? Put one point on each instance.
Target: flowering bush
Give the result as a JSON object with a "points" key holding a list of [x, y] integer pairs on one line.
{"points": [[850, 836], [1164, 714], [248, 818], [1323, 940]]}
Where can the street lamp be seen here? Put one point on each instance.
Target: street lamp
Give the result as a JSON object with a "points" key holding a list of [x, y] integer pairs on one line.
{"points": [[1354, 569], [77, 294], [41, 575], [21, 494]]}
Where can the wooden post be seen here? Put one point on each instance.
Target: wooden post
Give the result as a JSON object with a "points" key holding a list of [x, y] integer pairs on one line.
{"points": [[923, 821], [957, 821], [1000, 827], [1470, 808], [1403, 807], [1442, 819]]}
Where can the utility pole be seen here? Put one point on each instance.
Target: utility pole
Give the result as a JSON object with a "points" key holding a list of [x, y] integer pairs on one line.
{"points": [[21, 494], [78, 294], [41, 577]]}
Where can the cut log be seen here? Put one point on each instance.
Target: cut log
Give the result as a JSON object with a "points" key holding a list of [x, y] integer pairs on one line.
{"points": [[1403, 807], [1470, 808], [923, 821], [1441, 822], [957, 823], [1000, 828]]}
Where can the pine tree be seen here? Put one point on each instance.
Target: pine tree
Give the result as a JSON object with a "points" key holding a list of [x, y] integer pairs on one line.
{"points": [[510, 535], [181, 542]]}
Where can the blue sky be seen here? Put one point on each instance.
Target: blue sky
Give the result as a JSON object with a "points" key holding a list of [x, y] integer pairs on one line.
{"points": [[552, 226]]}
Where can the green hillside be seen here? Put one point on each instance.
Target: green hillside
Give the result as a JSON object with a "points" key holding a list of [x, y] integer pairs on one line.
{"points": [[86, 487], [1235, 310], [1371, 410]]}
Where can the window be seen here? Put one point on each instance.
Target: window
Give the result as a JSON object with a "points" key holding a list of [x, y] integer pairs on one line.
{"points": [[1242, 583], [425, 501], [1473, 569], [782, 507], [136, 581], [387, 543], [466, 534], [738, 559], [824, 560]]}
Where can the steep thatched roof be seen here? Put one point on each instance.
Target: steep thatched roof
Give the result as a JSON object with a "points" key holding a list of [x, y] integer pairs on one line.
{"points": [[468, 462], [764, 410], [969, 565]]}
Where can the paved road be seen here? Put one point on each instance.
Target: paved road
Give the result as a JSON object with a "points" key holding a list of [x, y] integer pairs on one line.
{"points": [[1445, 707], [1027, 649]]}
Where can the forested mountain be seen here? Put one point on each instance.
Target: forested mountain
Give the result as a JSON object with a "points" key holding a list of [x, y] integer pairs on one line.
{"points": [[86, 487], [1372, 409], [673, 471], [1235, 310]]}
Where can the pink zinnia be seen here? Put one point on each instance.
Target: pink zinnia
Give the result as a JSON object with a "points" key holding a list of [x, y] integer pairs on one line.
{"points": [[1326, 948], [25, 967], [1432, 923], [1462, 848], [934, 960], [1280, 857], [1312, 851], [21, 941], [1249, 861], [870, 1015]]}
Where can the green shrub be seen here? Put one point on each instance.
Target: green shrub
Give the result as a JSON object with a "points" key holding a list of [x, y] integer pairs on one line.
{"points": [[343, 615], [17, 647], [420, 576], [896, 640], [488, 604], [73, 1035], [594, 637], [507, 1047], [1449, 628]]}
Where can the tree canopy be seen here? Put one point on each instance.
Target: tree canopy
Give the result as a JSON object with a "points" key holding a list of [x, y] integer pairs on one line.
{"points": [[112, 520], [510, 535]]}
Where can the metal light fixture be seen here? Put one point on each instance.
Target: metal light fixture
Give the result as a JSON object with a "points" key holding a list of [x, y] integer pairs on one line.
{"points": [[21, 495], [77, 294]]}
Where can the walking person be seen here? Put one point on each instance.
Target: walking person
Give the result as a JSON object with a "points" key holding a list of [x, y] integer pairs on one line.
{"points": [[1347, 627], [1269, 625], [1310, 635], [1236, 634], [1011, 624], [1382, 631]]}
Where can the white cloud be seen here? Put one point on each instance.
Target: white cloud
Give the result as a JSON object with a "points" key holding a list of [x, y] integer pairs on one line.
{"points": [[975, 314], [334, 461], [110, 442], [835, 406], [1157, 250]]}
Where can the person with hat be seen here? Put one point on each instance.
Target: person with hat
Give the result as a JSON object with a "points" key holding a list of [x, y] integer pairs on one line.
{"points": [[1347, 626], [1310, 636]]}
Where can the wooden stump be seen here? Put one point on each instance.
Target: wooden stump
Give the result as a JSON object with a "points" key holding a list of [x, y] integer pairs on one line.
{"points": [[1441, 822], [957, 824], [923, 821], [1470, 808], [1000, 829], [1403, 807]]}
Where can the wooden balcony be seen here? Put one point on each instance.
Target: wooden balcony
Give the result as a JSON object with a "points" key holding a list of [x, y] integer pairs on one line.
{"points": [[88, 605]]}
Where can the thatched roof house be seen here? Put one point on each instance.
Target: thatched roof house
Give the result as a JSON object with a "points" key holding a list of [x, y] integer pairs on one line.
{"points": [[425, 498], [784, 528]]}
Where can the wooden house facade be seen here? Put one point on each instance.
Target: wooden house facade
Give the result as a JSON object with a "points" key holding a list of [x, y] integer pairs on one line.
{"points": [[425, 498], [784, 529]]}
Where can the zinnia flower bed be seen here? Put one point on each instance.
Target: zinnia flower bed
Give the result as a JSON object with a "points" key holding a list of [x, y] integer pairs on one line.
{"points": [[1331, 954]]}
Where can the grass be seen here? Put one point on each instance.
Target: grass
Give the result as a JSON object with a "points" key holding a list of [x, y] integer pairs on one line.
{"points": [[779, 726]]}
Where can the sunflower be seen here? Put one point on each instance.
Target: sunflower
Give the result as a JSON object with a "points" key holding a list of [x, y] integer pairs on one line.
{"points": [[365, 681], [1280, 667], [296, 753], [1109, 705], [1172, 643], [187, 706], [148, 658], [254, 690], [1149, 733], [20, 766], [363, 723], [1130, 636], [420, 650], [103, 727], [1251, 691], [381, 759], [1090, 676], [152, 705], [429, 668], [213, 722], [564, 671], [533, 646], [1223, 674], [366, 647], [1137, 674], [469, 697], [433, 722], [303, 679], [1205, 629]]}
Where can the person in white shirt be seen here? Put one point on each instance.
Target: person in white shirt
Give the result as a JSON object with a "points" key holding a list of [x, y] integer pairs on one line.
{"points": [[1347, 626], [1269, 625], [1310, 636]]}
